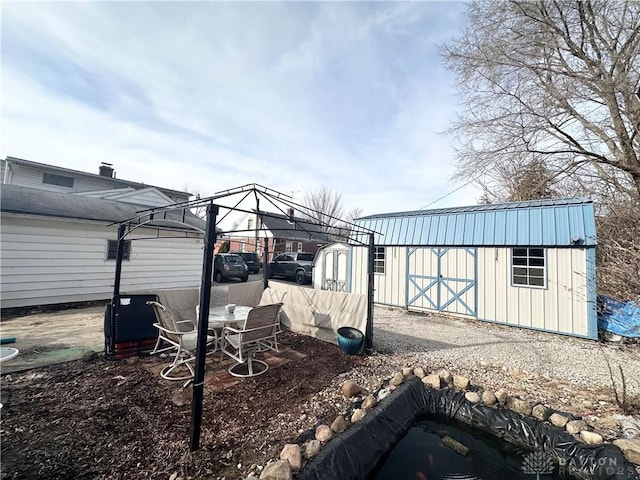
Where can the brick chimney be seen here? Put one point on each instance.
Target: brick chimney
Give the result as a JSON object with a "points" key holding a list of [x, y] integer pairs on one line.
{"points": [[106, 170]]}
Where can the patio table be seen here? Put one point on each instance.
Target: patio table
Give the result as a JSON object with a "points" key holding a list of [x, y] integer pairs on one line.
{"points": [[219, 318]]}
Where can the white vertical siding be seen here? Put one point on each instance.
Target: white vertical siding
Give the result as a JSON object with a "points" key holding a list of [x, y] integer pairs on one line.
{"points": [[560, 307], [390, 286], [47, 261]]}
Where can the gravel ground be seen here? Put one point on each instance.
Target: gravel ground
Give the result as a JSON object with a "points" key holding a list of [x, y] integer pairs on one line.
{"points": [[463, 344]]}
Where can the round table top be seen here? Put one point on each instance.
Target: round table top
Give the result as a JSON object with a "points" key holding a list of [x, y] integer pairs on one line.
{"points": [[7, 353], [219, 314]]}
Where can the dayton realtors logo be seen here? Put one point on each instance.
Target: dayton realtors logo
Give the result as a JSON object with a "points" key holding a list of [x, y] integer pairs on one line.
{"points": [[538, 463]]}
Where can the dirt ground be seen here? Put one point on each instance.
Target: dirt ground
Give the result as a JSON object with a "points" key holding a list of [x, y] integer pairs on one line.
{"points": [[118, 419]]}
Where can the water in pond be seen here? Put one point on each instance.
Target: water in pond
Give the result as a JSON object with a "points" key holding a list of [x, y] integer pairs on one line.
{"points": [[421, 455]]}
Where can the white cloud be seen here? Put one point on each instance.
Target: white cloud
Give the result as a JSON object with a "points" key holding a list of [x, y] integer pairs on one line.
{"points": [[214, 95]]}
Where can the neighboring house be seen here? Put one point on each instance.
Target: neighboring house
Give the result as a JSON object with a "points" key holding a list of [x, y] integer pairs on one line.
{"points": [[284, 234], [528, 264], [59, 246], [25, 173]]}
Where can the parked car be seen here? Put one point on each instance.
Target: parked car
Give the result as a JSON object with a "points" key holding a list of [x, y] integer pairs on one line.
{"points": [[295, 266], [229, 265], [251, 259]]}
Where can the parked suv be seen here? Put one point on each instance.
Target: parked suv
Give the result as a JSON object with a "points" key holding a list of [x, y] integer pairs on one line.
{"points": [[293, 266], [228, 265], [251, 259]]}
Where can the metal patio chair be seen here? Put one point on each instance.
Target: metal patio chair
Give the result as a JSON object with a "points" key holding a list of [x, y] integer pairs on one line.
{"points": [[258, 334], [173, 334]]}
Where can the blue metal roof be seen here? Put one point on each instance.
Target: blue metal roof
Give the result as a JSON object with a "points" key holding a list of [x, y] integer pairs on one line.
{"points": [[545, 222]]}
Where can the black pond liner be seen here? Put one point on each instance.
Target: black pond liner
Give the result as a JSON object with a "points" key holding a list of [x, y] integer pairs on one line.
{"points": [[357, 453]]}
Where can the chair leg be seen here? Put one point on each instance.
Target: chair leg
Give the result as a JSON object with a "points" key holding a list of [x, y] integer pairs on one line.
{"points": [[252, 367], [182, 359]]}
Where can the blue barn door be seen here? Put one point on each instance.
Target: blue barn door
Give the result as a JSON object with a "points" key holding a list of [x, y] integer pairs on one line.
{"points": [[442, 279]]}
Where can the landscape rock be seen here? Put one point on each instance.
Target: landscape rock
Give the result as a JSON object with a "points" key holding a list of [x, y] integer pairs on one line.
{"points": [[432, 381], [397, 379], [323, 433], [292, 453], [350, 389], [419, 372], [558, 420], [445, 376], [358, 414], [576, 426], [541, 412], [339, 425], [473, 397], [630, 448], [460, 382], [90, 356], [278, 470], [406, 371], [488, 398], [485, 364], [384, 393], [591, 438], [523, 407], [132, 360], [181, 397], [311, 448], [502, 395], [369, 402]]}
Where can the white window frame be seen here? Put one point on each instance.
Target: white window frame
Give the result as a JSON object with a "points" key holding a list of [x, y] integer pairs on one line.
{"points": [[288, 247], [528, 267], [299, 246], [379, 260]]}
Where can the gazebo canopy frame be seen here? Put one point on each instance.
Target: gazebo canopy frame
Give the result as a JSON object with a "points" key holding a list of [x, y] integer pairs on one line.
{"points": [[177, 218]]}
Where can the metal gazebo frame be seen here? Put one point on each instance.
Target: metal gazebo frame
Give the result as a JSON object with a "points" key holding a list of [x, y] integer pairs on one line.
{"points": [[175, 218]]}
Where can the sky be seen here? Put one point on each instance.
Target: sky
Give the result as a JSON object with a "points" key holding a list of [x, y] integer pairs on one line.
{"points": [[207, 96]]}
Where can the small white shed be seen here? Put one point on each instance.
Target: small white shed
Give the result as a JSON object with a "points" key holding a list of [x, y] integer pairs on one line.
{"points": [[528, 264], [332, 268]]}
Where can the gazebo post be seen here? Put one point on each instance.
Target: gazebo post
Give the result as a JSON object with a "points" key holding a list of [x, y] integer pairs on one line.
{"points": [[265, 263], [203, 325], [119, 255], [370, 289]]}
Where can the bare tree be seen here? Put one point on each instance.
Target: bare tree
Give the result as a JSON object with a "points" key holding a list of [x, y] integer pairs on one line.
{"points": [[553, 83], [324, 207]]}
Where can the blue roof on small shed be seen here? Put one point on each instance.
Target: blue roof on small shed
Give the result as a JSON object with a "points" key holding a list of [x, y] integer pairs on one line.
{"points": [[545, 222]]}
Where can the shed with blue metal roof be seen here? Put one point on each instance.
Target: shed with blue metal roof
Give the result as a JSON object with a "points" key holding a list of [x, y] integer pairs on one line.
{"points": [[528, 264]]}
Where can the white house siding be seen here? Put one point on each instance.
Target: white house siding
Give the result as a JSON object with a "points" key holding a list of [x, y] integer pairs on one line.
{"points": [[48, 261], [31, 176], [561, 307]]}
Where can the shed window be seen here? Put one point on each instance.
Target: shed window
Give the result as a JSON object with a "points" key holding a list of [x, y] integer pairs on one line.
{"points": [[59, 180], [378, 259], [112, 249], [528, 267]]}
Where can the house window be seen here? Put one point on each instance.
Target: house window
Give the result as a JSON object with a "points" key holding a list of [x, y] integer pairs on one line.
{"points": [[59, 180], [378, 259], [299, 246], [112, 249], [288, 247], [528, 267]]}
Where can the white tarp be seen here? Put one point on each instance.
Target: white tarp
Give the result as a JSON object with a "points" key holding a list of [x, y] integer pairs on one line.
{"points": [[318, 313]]}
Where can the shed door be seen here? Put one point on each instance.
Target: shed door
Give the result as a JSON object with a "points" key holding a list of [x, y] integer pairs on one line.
{"points": [[442, 279], [335, 270]]}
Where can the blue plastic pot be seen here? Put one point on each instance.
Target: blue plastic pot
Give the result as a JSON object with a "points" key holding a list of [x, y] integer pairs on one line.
{"points": [[350, 340]]}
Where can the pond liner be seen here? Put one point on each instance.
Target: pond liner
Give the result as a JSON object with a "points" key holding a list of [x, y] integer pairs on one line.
{"points": [[356, 453]]}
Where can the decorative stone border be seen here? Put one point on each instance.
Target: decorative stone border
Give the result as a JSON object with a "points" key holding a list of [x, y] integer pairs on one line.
{"points": [[293, 456]]}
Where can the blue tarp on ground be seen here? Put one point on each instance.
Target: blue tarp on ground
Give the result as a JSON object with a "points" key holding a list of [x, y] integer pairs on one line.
{"points": [[621, 318]]}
